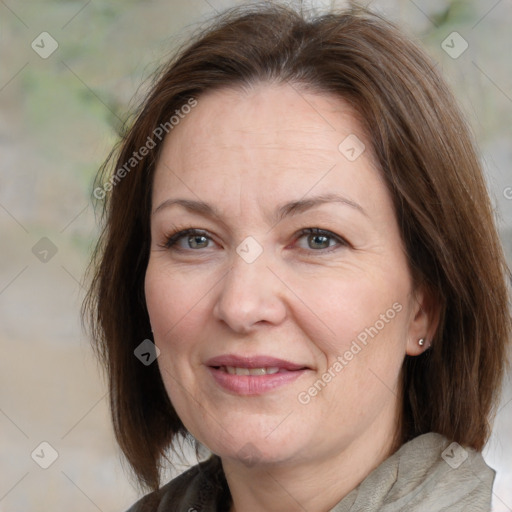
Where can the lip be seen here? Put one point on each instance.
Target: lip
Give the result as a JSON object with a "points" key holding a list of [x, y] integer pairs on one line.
{"points": [[253, 384]]}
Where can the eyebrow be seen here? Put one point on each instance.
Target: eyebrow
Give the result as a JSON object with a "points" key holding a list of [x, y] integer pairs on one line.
{"points": [[285, 210]]}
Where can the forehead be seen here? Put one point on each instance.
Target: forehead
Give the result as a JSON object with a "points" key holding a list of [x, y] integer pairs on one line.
{"points": [[277, 137], [277, 114]]}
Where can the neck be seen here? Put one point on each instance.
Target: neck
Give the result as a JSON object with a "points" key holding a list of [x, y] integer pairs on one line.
{"points": [[308, 484]]}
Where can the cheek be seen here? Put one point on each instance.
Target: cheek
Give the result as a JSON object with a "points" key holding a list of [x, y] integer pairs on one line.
{"points": [[361, 306], [179, 307], [363, 349], [174, 309], [174, 324], [161, 302], [173, 301]]}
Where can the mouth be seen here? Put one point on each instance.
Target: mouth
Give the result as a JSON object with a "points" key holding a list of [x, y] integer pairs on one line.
{"points": [[253, 375]]}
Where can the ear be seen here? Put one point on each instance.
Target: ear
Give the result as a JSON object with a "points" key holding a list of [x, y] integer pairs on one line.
{"points": [[424, 321]]}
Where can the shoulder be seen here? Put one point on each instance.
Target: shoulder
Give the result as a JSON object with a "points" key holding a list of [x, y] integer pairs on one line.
{"points": [[202, 487]]}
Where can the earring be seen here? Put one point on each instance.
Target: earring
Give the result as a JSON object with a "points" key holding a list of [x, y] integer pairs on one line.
{"points": [[421, 342]]}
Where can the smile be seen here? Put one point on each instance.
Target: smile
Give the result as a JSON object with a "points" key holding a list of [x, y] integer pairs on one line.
{"points": [[253, 375]]}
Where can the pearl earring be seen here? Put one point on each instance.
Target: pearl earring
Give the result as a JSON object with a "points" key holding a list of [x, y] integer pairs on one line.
{"points": [[421, 342]]}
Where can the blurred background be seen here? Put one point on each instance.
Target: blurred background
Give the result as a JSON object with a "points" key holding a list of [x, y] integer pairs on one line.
{"points": [[69, 73]]}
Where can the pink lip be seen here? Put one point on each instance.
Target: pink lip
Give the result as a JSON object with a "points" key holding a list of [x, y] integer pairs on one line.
{"points": [[253, 384]]}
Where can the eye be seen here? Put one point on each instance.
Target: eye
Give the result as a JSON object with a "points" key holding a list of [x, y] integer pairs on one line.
{"points": [[193, 239], [321, 239]]}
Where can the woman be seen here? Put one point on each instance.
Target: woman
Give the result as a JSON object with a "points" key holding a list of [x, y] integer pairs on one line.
{"points": [[297, 219]]}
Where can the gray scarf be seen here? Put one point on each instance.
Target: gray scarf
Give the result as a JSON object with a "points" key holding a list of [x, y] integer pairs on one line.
{"points": [[427, 474]]}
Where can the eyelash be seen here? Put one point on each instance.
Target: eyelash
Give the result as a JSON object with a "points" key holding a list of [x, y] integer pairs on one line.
{"points": [[172, 238]]}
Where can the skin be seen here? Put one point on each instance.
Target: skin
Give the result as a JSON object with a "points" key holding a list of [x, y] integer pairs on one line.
{"points": [[304, 299]]}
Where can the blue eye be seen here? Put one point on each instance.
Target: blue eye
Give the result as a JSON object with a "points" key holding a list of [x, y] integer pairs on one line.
{"points": [[320, 239], [196, 239]]}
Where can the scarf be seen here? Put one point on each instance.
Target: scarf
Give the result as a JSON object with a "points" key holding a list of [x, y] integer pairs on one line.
{"points": [[427, 474]]}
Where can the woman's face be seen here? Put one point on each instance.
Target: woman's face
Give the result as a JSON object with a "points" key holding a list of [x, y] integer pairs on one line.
{"points": [[332, 312]]}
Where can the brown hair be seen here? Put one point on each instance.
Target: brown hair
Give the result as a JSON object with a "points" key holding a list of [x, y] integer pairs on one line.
{"points": [[428, 160]]}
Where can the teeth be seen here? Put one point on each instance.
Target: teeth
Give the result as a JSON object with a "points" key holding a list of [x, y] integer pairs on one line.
{"points": [[232, 370]]}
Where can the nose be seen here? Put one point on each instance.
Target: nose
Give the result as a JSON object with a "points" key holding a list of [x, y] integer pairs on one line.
{"points": [[250, 294]]}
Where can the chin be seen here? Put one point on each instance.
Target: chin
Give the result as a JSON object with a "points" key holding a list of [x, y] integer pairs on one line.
{"points": [[255, 448]]}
